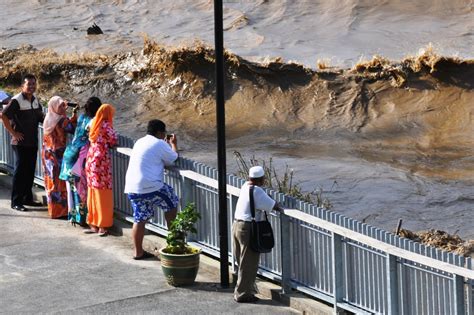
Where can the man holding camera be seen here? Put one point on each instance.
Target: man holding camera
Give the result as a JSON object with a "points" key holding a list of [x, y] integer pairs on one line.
{"points": [[21, 118], [144, 181]]}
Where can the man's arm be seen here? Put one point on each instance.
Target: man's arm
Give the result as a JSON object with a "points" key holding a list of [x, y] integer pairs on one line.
{"points": [[11, 107], [174, 143], [18, 136], [278, 207], [171, 152]]}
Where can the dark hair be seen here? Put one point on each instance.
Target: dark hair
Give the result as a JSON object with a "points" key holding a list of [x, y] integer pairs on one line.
{"points": [[155, 126], [92, 106], [28, 76]]}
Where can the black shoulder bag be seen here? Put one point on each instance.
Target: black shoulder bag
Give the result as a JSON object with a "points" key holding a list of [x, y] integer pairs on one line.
{"points": [[261, 232]]}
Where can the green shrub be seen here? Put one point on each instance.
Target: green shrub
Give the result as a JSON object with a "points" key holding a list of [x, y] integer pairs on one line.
{"points": [[180, 228]]}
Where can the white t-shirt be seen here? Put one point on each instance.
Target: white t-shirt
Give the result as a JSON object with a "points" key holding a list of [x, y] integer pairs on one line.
{"points": [[145, 171], [261, 200]]}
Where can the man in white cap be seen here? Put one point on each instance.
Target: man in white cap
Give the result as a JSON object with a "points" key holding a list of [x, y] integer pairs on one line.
{"points": [[246, 258]]}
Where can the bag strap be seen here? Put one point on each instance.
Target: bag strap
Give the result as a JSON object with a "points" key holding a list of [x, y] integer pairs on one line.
{"points": [[252, 204]]}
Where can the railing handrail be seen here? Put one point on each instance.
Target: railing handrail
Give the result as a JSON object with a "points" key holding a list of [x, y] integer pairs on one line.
{"points": [[337, 229], [379, 245], [323, 224], [232, 190], [194, 176]]}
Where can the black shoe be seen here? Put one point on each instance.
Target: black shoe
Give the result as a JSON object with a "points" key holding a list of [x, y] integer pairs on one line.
{"points": [[19, 208], [33, 204], [248, 299]]}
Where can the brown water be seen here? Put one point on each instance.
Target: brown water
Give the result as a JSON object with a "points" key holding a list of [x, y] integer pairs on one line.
{"points": [[341, 32], [396, 136]]}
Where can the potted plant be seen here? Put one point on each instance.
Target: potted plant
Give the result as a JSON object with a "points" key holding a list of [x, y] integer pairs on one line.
{"points": [[179, 261]]}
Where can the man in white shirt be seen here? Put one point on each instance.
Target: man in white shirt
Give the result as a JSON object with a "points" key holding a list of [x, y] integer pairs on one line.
{"points": [[246, 258], [144, 181]]}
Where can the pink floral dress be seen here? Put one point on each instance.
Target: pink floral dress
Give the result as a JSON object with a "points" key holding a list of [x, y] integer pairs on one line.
{"points": [[99, 164]]}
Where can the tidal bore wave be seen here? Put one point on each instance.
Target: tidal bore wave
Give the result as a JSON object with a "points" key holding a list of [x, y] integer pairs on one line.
{"points": [[416, 113]]}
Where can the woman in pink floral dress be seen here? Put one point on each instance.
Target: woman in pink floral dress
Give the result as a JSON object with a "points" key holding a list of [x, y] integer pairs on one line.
{"points": [[100, 201]]}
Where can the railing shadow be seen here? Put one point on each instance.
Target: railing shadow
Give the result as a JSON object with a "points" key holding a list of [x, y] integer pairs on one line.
{"points": [[216, 287], [18, 215], [209, 287]]}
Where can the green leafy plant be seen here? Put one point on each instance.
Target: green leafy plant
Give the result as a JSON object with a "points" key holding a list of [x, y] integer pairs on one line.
{"points": [[282, 183], [180, 228]]}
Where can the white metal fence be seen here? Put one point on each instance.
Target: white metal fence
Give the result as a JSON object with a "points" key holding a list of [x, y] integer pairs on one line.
{"points": [[349, 264]]}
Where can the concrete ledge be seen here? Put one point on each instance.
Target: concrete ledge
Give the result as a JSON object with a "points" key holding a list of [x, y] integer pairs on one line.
{"points": [[295, 300], [153, 242]]}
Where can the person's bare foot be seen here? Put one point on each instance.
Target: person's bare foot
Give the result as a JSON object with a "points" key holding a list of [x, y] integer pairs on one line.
{"points": [[91, 230]]}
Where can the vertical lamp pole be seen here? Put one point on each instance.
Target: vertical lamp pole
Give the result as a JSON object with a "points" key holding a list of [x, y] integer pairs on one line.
{"points": [[221, 158]]}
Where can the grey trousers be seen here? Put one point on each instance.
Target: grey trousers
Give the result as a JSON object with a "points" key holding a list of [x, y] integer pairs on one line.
{"points": [[247, 260]]}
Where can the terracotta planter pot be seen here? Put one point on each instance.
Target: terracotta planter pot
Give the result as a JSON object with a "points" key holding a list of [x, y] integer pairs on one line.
{"points": [[180, 270]]}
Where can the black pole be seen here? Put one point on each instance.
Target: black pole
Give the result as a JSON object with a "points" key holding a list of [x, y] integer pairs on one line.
{"points": [[221, 158]]}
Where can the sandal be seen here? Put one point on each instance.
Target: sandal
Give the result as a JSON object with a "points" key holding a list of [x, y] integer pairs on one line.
{"points": [[89, 231], [145, 255], [103, 233]]}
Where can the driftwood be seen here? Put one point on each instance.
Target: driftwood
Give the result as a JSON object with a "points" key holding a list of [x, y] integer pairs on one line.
{"points": [[94, 30], [441, 240]]}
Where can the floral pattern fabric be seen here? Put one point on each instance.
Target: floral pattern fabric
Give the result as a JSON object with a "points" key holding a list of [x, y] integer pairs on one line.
{"points": [[99, 164], [54, 145], [144, 204]]}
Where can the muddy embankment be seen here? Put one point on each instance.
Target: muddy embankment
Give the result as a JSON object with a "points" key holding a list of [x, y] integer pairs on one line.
{"points": [[416, 114]]}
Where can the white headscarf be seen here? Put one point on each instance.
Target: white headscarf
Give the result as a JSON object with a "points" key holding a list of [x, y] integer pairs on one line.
{"points": [[54, 115]]}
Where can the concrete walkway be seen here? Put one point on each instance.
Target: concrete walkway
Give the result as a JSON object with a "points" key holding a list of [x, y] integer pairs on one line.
{"points": [[48, 266]]}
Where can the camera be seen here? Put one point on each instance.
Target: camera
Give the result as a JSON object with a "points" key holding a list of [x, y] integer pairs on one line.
{"points": [[168, 137], [71, 104]]}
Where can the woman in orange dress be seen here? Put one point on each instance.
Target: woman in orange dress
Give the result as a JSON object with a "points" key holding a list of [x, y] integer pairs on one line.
{"points": [[56, 125], [100, 203]]}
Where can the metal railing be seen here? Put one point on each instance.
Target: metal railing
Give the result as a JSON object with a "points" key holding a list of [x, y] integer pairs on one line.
{"points": [[359, 268], [7, 157], [349, 264]]}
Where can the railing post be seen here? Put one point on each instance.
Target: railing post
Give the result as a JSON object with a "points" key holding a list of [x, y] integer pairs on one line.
{"points": [[392, 284], [337, 270], [285, 253], [458, 294], [187, 197], [470, 290], [187, 191]]}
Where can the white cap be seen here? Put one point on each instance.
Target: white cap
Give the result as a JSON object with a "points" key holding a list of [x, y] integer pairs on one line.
{"points": [[256, 172]]}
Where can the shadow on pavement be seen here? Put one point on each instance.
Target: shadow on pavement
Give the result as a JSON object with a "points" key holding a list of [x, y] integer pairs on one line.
{"points": [[24, 215], [209, 286]]}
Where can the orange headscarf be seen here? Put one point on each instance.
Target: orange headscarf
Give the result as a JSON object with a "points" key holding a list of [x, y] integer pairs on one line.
{"points": [[105, 113]]}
